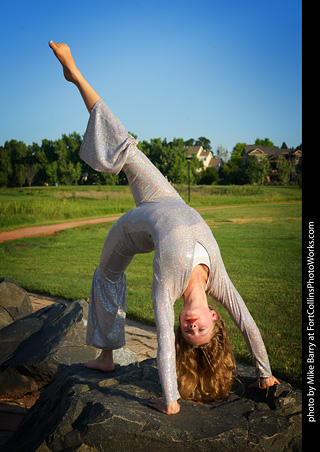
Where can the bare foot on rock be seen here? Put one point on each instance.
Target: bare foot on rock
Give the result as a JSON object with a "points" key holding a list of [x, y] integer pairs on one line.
{"points": [[104, 362]]}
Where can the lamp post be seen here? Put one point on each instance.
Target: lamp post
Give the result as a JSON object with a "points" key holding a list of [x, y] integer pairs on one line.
{"points": [[189, 158]]}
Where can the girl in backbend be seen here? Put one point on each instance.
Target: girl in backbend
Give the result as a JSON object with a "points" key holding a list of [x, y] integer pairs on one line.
{"points": [[198, 363]]}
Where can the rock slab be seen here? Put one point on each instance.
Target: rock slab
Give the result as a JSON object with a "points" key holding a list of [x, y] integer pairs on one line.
{"points": [[14, 302], [32, 348], [84, 410]]}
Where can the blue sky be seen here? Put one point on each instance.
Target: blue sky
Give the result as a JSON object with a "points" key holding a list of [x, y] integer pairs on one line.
{"points": [[226, 70]]}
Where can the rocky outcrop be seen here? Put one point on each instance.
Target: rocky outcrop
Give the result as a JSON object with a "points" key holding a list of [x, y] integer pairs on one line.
{"points": [[14, 302], [33, 347], [85, 410]]}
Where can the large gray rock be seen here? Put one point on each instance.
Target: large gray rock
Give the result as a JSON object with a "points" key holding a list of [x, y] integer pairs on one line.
{"points": [[14, 302], [33, 347], [85, 410]]}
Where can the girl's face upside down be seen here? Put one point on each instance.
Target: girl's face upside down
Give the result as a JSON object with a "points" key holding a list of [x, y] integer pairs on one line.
{"points": [[197, 324]]}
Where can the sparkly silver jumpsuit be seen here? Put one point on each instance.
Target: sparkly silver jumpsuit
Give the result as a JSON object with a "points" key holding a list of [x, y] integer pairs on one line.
{"points": [[162, 222]]}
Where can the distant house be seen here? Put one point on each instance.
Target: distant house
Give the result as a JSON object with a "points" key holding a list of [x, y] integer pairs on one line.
{"points": [[273, 154], [206, 157]]}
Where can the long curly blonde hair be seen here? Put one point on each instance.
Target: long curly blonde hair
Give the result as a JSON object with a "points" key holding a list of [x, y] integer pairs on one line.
{"points": [[205, 372]]}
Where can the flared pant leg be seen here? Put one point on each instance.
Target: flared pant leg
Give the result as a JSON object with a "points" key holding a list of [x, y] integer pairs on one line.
{"points": [[107, 147], [108, 296], [146, 181]]}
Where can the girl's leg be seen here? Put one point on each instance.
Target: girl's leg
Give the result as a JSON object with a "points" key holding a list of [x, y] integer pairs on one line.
{"points": [[147, 183], [114, 144], [107, 306], [73, 75]]}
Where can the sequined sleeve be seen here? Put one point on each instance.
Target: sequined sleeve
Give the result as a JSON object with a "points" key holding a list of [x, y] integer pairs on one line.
{"points": [[224, 291], [166, 354]]}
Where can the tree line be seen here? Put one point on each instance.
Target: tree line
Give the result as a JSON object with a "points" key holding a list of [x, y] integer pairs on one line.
{"points": [[58, 163]]}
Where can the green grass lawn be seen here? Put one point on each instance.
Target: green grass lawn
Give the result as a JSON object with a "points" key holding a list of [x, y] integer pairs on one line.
{"points": [[44, 205], [261, 248]]}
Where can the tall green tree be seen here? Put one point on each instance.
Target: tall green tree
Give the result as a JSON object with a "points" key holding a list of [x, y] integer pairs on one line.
{"points": [[190, 142], [17, 151], [236, 154], [73, 142], [285, 170], [204, 142], [264, 142], [258, 169], [20, 173], [6, 169], [52, 172]]}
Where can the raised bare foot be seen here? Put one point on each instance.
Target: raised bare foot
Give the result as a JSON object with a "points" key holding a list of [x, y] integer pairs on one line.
{"points": [[63, 53], [104, 362]]}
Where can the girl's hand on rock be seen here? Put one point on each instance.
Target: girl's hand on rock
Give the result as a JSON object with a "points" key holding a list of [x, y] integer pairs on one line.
{"points": [[263, 383], [170, 408]]}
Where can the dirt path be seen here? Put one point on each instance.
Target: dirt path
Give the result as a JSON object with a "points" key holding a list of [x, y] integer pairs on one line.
{"points": [[37, 231]]}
